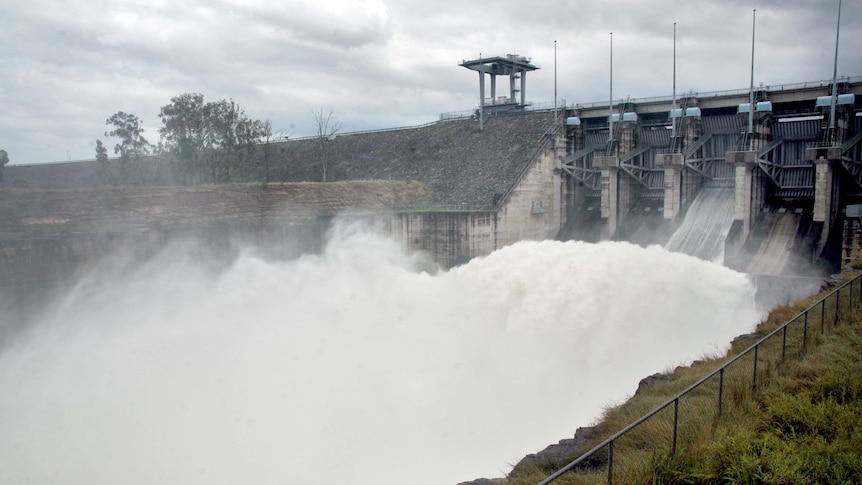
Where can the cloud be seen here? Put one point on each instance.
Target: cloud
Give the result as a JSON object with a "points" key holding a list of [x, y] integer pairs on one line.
{"points": [[66, 67]]}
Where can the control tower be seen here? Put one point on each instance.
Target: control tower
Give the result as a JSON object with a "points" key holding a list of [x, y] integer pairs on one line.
{"points": [[514, 66]]}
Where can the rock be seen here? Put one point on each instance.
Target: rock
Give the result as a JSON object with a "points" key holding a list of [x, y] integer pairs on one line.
{"points": [[831, 281], [556, 455], [746, 337], [486, 481], [651, 381]]}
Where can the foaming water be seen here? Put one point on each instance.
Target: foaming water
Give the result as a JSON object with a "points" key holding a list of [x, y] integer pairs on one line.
{"points": [[705, 226], [350, 367]]}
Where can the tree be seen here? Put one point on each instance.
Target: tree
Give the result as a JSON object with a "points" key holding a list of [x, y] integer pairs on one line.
{"points": [[4, 159], [327, 127], [133, 146], [127, 127], [266, 139], [102, 162], [216, 135], [249, 133], [185, 132], [224, 118]]}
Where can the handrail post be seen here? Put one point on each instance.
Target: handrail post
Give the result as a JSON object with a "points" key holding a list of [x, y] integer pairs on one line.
{"points": [[837, 306], [783, 343], [720, 388], [611, 462], [754, 376], [675, 425], [805, 333], [823, 315]]}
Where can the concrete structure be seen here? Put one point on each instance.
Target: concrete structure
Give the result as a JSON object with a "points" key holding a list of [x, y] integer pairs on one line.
{"points": [[513, 66], [673, 165], [778, 165], [527, 174]]}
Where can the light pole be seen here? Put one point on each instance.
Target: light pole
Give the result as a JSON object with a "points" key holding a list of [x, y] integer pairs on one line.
{"points": [[832, 136]]}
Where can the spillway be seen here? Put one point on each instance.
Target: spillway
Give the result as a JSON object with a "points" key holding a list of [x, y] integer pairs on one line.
{"points": [[774, 253], [705, 226]]}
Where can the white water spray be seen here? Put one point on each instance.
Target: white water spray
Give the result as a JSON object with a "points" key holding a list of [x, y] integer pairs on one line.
{"points": [[350, 367]]}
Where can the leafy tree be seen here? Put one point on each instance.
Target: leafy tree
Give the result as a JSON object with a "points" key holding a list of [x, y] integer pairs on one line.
{"points": [[133, 146], [224, 118], [127, 127], [102, 162], [327, 127], [216, 135], [101, 152], [266, 138], [186, 132], [249, 133], [4, 159]]}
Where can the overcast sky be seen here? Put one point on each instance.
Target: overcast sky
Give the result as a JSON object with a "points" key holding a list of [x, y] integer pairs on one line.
{"points": [[68, 65]]}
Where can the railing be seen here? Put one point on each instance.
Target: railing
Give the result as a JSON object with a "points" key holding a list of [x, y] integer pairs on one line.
{"points": [[544, 106], [715, 94], [363, 132], [653, 432], [666, 99], [823, 144]]}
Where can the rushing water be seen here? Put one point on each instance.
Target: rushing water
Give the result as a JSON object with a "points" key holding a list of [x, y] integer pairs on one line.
{"points": [[349, 367], [705, 226]]}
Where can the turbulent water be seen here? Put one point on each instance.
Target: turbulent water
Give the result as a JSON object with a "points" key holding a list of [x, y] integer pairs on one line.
{"points": [[349, 367], [705, 226]]}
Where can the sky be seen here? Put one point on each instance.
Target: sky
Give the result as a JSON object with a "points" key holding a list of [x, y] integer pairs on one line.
{"points": [[66, 66]]}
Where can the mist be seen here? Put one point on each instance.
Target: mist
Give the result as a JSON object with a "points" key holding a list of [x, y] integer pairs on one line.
{"points": [[353, 366]]}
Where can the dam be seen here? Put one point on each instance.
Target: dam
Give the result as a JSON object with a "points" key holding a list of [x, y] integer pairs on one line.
{"points": [[150, 345], [626, 171]]}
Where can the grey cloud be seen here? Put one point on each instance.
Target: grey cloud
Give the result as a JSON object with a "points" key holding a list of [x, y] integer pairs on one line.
{"points": [[66, 69], [309, 22]]}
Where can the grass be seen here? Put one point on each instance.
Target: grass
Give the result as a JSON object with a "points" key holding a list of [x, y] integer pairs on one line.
{"points": [[800, 423]]}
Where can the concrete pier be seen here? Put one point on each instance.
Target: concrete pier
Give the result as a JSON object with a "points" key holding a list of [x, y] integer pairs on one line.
{"points": [[825, 190], [673, 164], [610, 167]]}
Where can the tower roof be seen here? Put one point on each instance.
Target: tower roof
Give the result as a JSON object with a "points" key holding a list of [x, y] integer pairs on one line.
{"points": [[500, 66]]}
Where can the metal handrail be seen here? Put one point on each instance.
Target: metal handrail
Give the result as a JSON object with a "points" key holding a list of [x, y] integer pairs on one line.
{"points": [[754, 348], [664, 99], [726, 92], [823, 144]]}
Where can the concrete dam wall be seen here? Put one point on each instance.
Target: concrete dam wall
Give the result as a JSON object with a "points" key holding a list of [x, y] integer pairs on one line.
{"points": [[522, 175], [447, 189]]}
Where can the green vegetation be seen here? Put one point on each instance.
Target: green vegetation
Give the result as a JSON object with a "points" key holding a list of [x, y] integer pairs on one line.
{"points": [[799, 423], [4, 159]]}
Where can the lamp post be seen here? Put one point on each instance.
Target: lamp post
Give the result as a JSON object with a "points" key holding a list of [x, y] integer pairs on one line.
{"points": [[832, 136]]}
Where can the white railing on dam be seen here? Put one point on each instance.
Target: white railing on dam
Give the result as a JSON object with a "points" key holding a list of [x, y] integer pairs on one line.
{"points": [[773, 88]]}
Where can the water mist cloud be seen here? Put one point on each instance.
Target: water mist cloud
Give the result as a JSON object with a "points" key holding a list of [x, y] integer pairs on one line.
{"points": [[349, 366]]}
